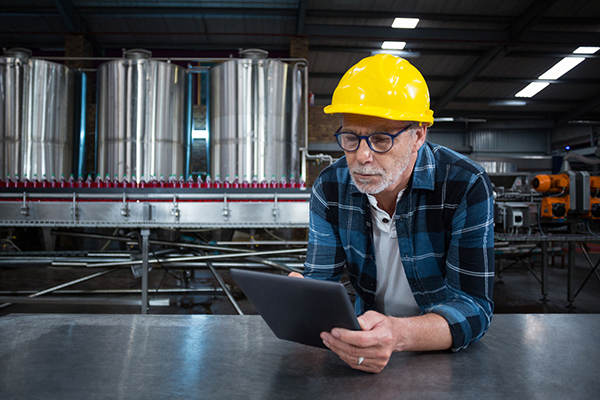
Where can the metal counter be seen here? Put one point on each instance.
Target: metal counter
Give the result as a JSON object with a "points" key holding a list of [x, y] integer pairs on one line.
{"points": [[552, 356]]}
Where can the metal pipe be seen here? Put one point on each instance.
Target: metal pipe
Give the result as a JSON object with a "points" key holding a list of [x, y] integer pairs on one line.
{"points": [[80, 160], [52, 289], [119, 291], [319, 156], [227, 292], [267, 243], [150, 241], [196, 265], [274, 264], [83, 300], [306, 104], [194, 258], [145, 234]]}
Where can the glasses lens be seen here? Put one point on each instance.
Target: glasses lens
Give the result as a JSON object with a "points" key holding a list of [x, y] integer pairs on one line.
{"points": [[348, 141], [381, 142]]}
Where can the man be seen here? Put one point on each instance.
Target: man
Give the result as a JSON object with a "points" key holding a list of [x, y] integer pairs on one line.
{"points": [[411, 223]]}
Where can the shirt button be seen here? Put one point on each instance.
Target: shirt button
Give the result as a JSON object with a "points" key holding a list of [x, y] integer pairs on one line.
{"points": [[385, 220]]}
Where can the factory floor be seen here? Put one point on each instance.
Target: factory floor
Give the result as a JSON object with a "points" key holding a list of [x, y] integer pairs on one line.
{"points": [[515, 291]]}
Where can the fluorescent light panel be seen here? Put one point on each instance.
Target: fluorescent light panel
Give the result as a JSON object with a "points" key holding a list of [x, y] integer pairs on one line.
{"points": [[405, 23], [510, 103], [393, 45], [558, 70], [561, 68], [532, 89], [586, 50]]}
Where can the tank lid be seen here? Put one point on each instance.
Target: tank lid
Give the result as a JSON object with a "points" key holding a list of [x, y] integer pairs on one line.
{"points": [[254, 53], [18, 52], [137, 54]]}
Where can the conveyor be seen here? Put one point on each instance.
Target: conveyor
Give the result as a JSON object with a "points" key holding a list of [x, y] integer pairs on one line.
{"points": [[154, 207]]}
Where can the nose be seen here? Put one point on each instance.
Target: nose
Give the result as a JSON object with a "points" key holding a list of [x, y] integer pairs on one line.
{"points": [[364, 154]]}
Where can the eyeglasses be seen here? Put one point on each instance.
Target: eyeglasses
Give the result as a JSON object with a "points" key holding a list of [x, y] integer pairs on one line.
{"points": [[378, 142]]}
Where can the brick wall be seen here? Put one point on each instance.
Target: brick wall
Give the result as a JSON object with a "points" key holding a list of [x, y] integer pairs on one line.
{"points": [[299, 47], [78, 46], [321, 126]]}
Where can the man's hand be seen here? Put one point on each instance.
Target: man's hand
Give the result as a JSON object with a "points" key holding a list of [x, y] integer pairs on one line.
{"points": [[295, 275], [382, 335], [375, 343]]}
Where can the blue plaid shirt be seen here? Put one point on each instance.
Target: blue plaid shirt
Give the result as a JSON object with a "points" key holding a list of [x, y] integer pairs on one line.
{"points": [[444, 222]]}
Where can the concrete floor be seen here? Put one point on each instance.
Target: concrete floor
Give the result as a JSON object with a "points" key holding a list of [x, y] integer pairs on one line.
{"points": [[517, 291]]}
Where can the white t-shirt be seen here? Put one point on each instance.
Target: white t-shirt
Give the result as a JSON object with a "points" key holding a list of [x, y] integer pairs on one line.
{"points": [[393, 295]]}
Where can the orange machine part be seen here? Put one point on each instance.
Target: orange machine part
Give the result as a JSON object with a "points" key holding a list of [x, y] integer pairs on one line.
{"points": [[551, 183], [594, 182], [549, 202], [595, 208]]}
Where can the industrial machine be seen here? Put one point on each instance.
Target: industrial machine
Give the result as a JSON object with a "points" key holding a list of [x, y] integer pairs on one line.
{"points": [[142, 183], [571, 195]]}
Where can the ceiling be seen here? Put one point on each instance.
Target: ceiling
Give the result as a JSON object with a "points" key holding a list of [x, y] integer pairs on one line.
{"points": [[472, 53]]}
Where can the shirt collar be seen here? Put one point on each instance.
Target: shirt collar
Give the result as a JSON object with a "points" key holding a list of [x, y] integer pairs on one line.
{"points": [[424, 171]]}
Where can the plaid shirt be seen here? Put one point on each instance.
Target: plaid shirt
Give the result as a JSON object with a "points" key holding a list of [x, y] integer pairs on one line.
{"points": [[444, 222]]}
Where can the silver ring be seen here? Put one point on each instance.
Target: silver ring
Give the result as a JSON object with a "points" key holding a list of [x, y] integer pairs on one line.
{"points": [[360, 360]]}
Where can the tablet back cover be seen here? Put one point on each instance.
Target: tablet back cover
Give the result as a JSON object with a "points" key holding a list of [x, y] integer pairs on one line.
{"points": [[298, 309]]}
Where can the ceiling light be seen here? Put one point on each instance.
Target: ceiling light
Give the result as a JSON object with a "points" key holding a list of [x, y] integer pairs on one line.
{"points": [[443, 119], [405, 23], [393, 45], [399, 53], [512, 103], [586, 50], [561, 68], [583, 121], [532, 89]]}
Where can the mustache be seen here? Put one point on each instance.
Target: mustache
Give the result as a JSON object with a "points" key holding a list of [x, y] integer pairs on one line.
{"points": [[361, 169]]}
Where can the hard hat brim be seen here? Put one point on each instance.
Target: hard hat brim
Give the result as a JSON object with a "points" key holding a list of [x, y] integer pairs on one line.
{"points": [[380, 112]]}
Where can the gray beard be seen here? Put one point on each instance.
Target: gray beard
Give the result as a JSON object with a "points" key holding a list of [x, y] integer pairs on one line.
{"points": [[387, 177]]}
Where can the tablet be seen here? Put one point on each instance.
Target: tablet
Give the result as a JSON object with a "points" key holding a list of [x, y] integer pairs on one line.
{"points": [[297, 309]]}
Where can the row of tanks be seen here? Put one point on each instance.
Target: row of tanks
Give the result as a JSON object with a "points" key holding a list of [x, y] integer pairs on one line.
{"points": [[143, 116]]}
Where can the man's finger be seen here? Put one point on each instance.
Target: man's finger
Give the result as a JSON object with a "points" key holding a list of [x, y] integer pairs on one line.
{"points": [[346, 350], [369, 320], [356, 338]]}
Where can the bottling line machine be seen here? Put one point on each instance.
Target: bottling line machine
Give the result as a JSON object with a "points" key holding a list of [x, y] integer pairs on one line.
{"points": [[257, 119]]}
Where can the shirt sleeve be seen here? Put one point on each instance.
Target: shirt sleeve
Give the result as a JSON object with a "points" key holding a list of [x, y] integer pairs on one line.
{"points": [[470, 266], [325, 257]]}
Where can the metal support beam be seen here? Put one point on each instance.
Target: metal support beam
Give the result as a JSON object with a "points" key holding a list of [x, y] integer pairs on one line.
{"points": [[64, 285], [145, 234], [475, 69], [224, 287], [301, 17], [70, 15], [571, 276], [517, 31], [529, 18], [544, 247], [581, 109]]}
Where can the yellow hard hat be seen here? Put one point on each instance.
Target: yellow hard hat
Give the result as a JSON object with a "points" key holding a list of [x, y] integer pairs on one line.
{"points": [[383, 86]]}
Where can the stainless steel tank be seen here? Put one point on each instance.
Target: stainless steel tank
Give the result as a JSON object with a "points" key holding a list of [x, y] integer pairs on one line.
{"points": [[37, 112], [141, 117], [254, 108]]}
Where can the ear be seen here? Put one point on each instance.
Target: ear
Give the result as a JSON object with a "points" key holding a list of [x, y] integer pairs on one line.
{"points": [[421, 135]]}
